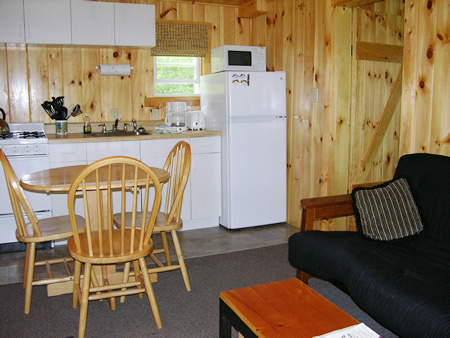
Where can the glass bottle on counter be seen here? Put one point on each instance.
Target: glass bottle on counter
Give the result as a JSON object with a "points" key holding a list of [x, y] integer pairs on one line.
{"points": [[87, 124]]}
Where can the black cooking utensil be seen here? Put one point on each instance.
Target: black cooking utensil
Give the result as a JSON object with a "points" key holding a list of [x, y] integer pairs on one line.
{"points": [[55, 109], [48, 107]]}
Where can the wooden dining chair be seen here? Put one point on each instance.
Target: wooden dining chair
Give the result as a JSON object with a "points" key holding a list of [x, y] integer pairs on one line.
{"points": [[36, 231], [102, 243], [178, 164]]}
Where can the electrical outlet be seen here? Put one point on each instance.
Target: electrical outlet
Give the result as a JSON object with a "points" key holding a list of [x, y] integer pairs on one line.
{"points": [[114, 113], [315, 95]]}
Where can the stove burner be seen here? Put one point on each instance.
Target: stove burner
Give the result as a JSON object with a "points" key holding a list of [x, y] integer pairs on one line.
{"points": [[30, 134], [5, 136]]}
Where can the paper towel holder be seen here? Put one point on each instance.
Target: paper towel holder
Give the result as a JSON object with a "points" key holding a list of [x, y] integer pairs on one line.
{"points": [[114, 69]]}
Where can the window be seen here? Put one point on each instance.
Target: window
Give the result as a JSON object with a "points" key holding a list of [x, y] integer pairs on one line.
{"points": [[177, 75]]}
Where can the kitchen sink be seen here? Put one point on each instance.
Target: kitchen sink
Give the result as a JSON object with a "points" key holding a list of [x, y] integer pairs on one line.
{"points": [[112, 133]]}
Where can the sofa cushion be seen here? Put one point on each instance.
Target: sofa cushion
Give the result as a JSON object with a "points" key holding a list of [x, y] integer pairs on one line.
{"points": [[403, 283], [429, 180], [387, 211]]}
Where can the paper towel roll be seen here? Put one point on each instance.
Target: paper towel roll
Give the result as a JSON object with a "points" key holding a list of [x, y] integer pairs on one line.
{"points": [[114, 69]]}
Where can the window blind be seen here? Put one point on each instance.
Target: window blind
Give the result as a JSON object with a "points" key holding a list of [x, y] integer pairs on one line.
{"points": [[181, 39]]}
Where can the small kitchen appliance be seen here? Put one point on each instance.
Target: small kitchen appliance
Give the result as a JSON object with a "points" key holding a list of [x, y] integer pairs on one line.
{"points": [[175, 114], [238, 58], [195, 120], [26, 147]]}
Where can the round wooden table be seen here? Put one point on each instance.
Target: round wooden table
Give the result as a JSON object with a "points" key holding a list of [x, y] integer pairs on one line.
{"points": [[60, 179]]}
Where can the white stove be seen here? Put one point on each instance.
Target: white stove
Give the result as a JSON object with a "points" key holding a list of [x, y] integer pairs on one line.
{"points": [[24, 139], [26, 147]]}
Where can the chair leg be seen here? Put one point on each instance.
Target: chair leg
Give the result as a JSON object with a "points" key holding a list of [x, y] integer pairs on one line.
{"points": [[76, 284], [125, 277], [29, 273], [150, 293], [25, 266], [137, 273], [166, 247], [176, 244], [84, 300]]}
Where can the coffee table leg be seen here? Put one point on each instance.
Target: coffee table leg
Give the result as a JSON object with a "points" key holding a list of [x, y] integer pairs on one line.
{"points": [[225, 324], [230, 319]]}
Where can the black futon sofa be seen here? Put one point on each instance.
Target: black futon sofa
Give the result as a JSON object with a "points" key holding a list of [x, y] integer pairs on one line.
{"points": [[403, 283]]}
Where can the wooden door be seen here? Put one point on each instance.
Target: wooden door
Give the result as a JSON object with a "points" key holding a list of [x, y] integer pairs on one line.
{"points": [[376, 90]]}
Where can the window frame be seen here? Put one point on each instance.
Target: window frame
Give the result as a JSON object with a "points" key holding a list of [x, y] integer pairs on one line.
{"points": [[195, 82]]}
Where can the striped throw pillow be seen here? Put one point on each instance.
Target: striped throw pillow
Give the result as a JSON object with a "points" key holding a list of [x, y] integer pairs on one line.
{"points": [[387, 212]]}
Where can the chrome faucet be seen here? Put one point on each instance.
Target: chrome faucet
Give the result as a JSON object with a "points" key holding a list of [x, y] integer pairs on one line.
{"points": [[116, 124], [134, 125], [125, 126], [103, 127]]}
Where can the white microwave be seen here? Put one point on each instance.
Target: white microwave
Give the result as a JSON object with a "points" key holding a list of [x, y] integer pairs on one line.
{"points": [[238, 58]]}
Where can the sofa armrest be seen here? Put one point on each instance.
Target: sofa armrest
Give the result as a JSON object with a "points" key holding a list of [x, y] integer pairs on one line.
{"points": [[324, 207]]}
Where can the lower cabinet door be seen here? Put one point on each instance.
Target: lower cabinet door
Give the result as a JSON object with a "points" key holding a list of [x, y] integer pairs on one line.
{"points": [[206, 186]]}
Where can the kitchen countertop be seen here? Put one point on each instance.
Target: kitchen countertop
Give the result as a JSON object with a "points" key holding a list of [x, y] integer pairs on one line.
{"points": [[87, 138]]}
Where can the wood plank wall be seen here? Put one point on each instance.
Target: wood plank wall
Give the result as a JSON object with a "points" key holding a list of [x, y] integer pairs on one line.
{"points": [[311, 41], [372, 82], [425, 125], [29, 75]]}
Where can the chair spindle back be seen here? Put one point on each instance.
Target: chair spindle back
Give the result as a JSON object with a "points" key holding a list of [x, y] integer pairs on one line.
{"points": [[96, 184], [178, 164]]}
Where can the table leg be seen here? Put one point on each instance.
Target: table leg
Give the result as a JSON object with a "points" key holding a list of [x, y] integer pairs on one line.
{"points": [[225, 324], [230, 319]]}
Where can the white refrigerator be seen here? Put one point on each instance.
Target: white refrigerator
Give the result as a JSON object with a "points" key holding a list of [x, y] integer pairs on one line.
{"points": [[250, 110]]}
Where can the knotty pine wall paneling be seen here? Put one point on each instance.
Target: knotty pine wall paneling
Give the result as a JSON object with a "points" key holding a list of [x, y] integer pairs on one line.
{"points": [[31, 75], [303, 41], [425, 123], [309, 40], [372, 83]]}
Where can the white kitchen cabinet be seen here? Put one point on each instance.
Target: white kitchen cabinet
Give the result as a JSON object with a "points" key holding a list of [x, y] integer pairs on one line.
{"points": [[92, 22], [154, 154], [77, 22], [98, 150], [201, 206], [134, 25], [206, 177], [202, 196], [67, 153], [47, 21], [108, 23], [12, 24], [63, 155]]}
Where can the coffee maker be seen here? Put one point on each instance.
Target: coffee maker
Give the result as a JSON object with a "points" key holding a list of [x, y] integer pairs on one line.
{"points": [[175, 114]]}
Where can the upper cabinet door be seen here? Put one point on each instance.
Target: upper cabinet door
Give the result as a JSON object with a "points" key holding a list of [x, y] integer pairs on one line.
{"points": [[47, 21], [135, 25], [92, 23], [12, 26]]}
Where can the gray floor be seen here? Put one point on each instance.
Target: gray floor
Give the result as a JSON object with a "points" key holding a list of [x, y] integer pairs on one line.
{"points": [[195, 243]]}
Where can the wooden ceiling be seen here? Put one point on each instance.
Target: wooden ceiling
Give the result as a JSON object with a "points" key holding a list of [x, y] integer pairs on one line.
{"points": [[346, 3], [218, 2]]}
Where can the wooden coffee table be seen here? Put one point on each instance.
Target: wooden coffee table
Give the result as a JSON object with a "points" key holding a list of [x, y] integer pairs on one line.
{"points": [[288, 308]]}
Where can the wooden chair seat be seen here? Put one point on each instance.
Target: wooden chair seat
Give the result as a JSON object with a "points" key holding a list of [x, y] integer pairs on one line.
{"points": [[111, 254], [51, 228]]}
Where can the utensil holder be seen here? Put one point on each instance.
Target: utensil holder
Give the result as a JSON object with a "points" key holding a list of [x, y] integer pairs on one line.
{"points": [[61, 127]]}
